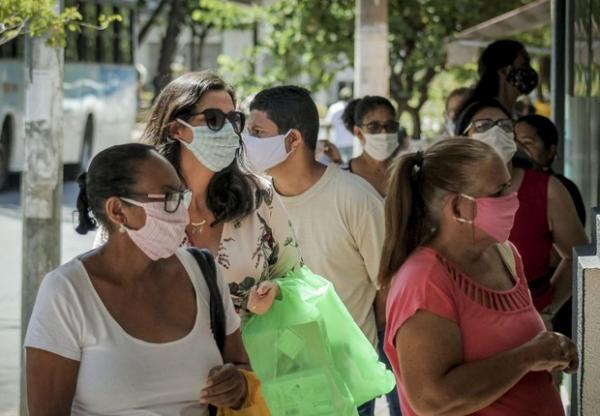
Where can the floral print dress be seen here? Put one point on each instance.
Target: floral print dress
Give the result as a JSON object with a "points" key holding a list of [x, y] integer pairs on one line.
{"points": [[261, 246]]}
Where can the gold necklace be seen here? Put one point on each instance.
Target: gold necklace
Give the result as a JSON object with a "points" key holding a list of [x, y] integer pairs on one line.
{"points": [[198, 227]]}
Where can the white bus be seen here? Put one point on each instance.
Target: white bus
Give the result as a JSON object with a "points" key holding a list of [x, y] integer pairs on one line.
{"points": [[100, 88]]}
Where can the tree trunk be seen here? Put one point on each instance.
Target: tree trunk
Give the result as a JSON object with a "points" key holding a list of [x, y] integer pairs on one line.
{"points": [[169, 45], [200, 48], [151, 20], [197, 46], [416, 119]]}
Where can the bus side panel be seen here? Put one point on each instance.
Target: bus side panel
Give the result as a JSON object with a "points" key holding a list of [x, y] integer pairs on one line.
{"points": [[107, 94], [118, 106], [12, 104]]}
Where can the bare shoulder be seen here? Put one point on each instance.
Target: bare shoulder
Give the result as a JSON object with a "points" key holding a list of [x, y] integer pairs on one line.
{"points": [[556, 189], [356, 187]]}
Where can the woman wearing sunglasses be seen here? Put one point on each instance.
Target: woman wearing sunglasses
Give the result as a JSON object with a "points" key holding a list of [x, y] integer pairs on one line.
{"points": [[129, 334], [372, 119], [546, 217], [233, 212]]}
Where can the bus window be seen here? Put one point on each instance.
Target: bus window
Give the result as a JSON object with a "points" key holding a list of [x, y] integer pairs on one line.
{"points": [[88, 11], [118, 32], [107, 36], [13, 49], [72, 50], [125, 36]]}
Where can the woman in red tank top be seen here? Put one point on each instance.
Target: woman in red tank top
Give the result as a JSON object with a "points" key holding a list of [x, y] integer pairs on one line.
{"points": [[546, 217], [462, 334]]}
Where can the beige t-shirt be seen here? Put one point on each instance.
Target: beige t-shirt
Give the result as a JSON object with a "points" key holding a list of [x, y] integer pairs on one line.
{"points": [[340, 226]]}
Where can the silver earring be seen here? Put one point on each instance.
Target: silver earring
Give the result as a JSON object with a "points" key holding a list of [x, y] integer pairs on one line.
{"points": [[122, 229]]}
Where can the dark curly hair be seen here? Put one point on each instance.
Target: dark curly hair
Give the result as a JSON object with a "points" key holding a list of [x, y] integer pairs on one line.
{"points": [[357, 109]]}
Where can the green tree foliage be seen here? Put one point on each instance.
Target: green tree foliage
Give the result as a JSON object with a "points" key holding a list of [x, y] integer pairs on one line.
{"points": [[299, 39], [201, 17], [223, 15], [39, 18], [307, 43]]}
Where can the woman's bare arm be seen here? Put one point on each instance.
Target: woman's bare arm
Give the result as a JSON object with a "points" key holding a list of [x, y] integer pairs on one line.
{"points": [[51, 383]]}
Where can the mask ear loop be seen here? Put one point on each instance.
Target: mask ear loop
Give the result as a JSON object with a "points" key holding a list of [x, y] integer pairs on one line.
{"points": [[464, 220], [184, 123], [285, 137]]}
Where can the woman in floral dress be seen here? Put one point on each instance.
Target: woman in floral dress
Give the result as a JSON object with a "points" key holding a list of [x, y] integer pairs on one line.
{"points": [[233, 212]]}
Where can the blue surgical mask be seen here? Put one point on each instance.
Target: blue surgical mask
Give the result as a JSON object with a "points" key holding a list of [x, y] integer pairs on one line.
{"points": [[214, 149]]}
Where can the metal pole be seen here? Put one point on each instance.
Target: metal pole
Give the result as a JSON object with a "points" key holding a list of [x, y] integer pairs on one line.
{"points": [[41, 189], [371, 58], [559, 10]]}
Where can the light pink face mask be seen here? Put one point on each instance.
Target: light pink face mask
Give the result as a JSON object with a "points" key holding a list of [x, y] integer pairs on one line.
{"points": [[494, 216], [163, 232]]}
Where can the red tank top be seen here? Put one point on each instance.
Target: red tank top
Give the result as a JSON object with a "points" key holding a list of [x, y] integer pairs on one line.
{"points": [[532, 236]]}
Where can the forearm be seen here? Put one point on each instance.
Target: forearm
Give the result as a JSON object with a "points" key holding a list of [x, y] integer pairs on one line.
{"points": [[472, 386], [562, 282], [379, 308]]}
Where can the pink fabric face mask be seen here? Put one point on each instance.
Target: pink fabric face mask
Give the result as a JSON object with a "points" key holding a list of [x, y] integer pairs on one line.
{"points": [[494, 216], [163, 232]]}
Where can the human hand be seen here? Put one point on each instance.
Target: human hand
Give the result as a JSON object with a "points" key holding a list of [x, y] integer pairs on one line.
{"points": [[262, 296], [551, 350], [225, 387], [332, 152]]}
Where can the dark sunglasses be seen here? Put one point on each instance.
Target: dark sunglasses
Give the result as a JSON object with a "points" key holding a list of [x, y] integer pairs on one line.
{"points": [[375, 127], [484, 124], [215, 119]]}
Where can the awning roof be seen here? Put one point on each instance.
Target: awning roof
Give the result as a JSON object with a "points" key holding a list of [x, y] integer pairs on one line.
{"points": [[465, 46]]}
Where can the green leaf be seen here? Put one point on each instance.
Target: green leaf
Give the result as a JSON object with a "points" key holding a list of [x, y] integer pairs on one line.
{"points": [[41, 19]]}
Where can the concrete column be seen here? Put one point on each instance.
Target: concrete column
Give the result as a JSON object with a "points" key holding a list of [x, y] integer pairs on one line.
{"points": [[585, 400], [41, 189], [371, 58]]}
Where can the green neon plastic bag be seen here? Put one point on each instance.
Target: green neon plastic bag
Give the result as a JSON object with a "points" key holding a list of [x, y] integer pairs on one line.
{"points": [[311, 357]]}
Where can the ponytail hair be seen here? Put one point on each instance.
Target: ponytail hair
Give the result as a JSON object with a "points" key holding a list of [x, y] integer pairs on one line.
{"points": [[405, 214], [418, 184], [86, 222], [113, 172]]}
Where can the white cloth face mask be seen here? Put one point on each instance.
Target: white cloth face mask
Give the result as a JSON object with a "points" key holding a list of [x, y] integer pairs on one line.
{"points": [[381, 146], [265, 153], [214, 149], [502, 141]]}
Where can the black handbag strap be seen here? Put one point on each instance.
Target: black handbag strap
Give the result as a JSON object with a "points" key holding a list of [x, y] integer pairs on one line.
{"points": [[217, 311]]}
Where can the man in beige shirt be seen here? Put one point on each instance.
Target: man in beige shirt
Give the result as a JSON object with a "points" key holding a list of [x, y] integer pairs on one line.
{"points": [[338, 217]]}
